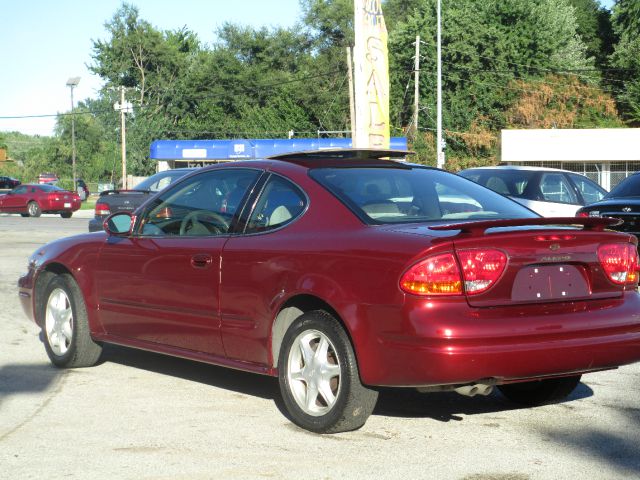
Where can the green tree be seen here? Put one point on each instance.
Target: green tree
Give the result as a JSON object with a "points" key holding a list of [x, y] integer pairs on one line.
{"points": [[626, 57], [595, 30]]}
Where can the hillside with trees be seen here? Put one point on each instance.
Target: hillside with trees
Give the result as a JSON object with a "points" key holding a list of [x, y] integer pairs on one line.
{"points": [[506, 64]]}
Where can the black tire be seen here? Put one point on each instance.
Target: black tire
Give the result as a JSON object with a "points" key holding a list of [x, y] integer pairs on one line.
{"points": [[77, 348], [34, 209], [352, 402], [66, 214], [24, 214], [540, 392]]}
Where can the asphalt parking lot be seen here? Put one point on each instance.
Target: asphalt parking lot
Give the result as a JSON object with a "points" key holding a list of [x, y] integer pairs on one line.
{"points": [[139, 415]]}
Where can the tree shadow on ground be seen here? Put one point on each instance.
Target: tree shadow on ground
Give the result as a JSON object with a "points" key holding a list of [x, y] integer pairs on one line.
{"points": [[16, 379], [619, 449]]}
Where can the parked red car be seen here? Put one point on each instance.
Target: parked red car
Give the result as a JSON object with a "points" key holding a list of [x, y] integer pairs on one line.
{"points": [[339, 272], [34, 200], [48, 177]]}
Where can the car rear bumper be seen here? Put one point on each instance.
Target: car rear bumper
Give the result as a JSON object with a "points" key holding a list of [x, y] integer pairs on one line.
{"points": [[502, 345], [61, 206]]}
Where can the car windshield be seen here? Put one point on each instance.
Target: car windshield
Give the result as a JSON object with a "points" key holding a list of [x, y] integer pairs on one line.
{"points": [[50, 188], [629, 187], [506, 182], [157, 182], [407, 194]]}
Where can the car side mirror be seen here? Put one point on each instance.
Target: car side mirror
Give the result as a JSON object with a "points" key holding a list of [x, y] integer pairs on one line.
{"points": [[119, 224]]}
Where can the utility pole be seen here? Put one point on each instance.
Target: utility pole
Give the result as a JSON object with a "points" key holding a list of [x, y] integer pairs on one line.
{"points": [[416, 89], [439, 139], [123, 107], [352, 108], [71, 83], [123, 130]]}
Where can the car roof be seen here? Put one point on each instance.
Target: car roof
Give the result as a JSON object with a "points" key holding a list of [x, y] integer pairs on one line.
{"points": [[518, 167], [345, 157]]}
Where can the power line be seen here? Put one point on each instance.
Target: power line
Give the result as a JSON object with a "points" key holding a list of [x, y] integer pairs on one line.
{"points": [[246, 89]]}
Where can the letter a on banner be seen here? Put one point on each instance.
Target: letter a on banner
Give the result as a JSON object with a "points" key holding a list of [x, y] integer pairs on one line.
{"points": [[371, 76]]}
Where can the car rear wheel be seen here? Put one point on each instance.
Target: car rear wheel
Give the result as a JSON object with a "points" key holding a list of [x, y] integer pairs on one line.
{"points": [[34, 209], [540, 392], [66, 214], [319, 378], [66, 329]]}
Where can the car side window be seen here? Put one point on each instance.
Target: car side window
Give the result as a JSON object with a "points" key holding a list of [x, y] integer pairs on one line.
{"points": [[198, 206], [556, 188], [280, 202], [591, 191]]}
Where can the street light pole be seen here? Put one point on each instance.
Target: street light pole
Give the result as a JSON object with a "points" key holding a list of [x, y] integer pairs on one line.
{"points": [[71, 83], [439, 139]]}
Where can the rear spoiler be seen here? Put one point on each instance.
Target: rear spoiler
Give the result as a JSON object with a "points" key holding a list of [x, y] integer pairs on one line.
{"points": [[480, 227], [116, 192]]}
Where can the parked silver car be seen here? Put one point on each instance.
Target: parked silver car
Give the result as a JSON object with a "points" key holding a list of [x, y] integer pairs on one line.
{"points": [[549, 192]]}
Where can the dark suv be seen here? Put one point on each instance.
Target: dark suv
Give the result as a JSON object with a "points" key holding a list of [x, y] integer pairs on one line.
{"points": [[9, 182], [112, 201]]}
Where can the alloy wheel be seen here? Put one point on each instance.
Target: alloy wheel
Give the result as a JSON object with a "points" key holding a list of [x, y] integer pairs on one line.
{"points": [[313, 371], [59, 322]]}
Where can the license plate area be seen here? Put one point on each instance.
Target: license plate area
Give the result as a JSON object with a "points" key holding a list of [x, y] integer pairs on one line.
{"points": [[549, 282], [67, 205]]}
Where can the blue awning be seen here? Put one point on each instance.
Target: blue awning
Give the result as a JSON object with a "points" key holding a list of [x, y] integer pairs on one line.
{"points": [[245, 149]]}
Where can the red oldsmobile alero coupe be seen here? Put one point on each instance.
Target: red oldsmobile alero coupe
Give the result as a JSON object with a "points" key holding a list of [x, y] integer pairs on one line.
{"points": [[34, 200], [340, 272]]}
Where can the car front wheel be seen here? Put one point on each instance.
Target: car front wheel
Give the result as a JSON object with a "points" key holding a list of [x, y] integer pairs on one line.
{"points": [[67, 338], [540, 392], [319, 378]]}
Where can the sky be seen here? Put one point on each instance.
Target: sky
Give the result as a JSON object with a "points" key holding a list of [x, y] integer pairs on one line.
{"points": [[43, 43]]}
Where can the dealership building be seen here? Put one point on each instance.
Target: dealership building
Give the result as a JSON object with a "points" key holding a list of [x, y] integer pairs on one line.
{"points": [[606, 155]]}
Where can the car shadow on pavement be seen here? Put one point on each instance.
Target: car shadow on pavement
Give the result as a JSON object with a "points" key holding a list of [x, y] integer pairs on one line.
{"points": [[235, 380], [16, 379], [450, 406], [392, 402]]}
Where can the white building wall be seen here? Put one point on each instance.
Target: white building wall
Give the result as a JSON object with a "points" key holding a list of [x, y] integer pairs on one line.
{"points": [[607, 155]]}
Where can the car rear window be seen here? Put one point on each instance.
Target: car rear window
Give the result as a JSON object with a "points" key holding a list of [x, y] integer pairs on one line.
{"points": [[629, 187], [414, 194], [50, 188], [160, 180], [506, 182]]}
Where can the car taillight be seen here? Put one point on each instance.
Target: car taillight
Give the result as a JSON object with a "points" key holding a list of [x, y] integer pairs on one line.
{"points": [[437, 275], [481, 268], [582, 214], [53, 196], [102, 209], [441, 275], [620, 262]]}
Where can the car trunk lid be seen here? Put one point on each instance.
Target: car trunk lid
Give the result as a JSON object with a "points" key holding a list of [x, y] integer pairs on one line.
{"points": [[550, 261]]}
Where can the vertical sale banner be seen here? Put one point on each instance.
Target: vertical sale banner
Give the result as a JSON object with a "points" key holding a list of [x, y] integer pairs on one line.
{"points": [[371, 76]]}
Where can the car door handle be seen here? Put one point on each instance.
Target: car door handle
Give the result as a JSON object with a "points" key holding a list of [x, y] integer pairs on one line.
{"points": [[201, 260]]}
